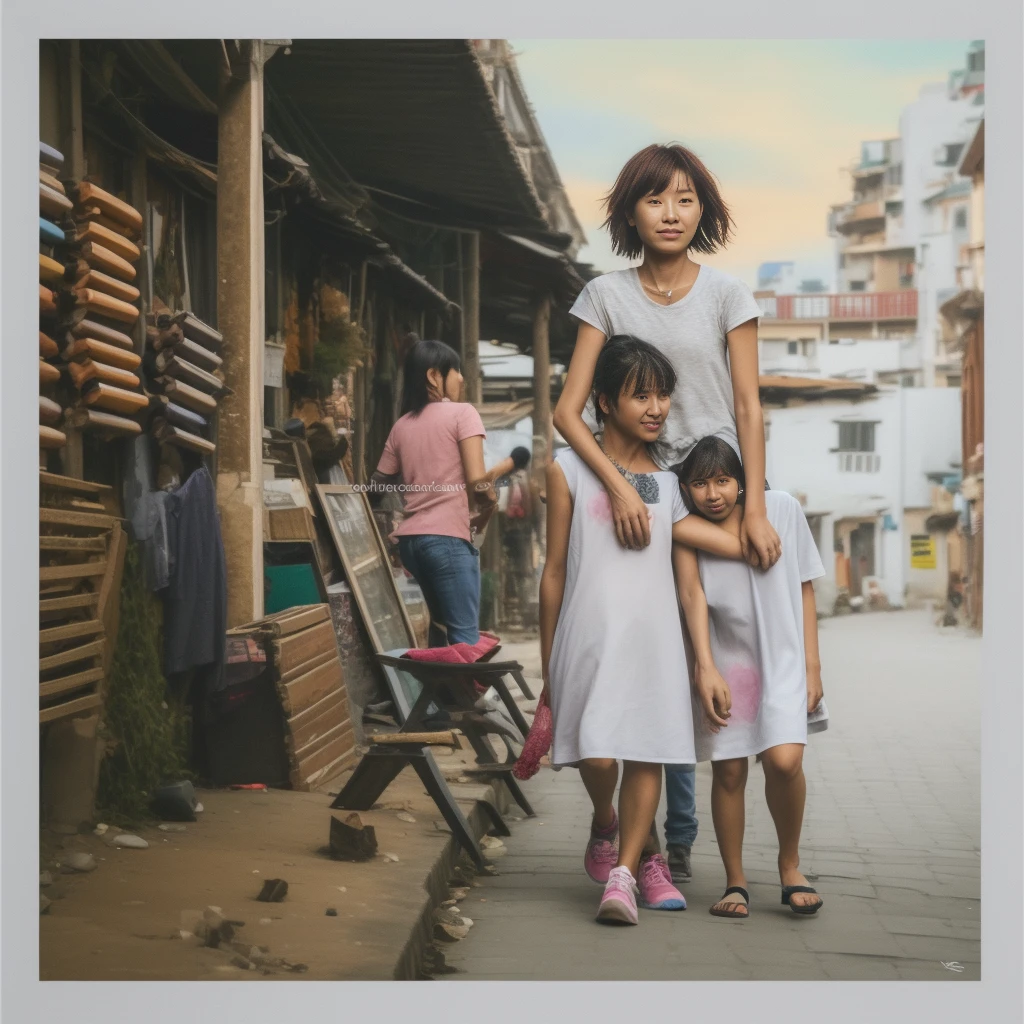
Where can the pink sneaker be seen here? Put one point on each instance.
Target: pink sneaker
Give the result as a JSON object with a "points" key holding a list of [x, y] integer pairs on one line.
{"points": [[656, 889], [618, 904], [602, 851]]}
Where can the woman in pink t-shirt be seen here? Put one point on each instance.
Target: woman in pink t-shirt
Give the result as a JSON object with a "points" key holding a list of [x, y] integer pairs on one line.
{"points": [[436, 452]]}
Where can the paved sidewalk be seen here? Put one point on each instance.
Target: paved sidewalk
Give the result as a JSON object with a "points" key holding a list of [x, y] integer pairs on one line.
{"points": [[891, 841]]}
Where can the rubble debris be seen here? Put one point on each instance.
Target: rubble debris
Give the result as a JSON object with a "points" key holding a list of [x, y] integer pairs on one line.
{"points": [[129, 842], [351, 839], [274, 890], [391, 858], [45, 879], [331, 912], [78, 861], [44, 904], [405, 816], [171, 828]]}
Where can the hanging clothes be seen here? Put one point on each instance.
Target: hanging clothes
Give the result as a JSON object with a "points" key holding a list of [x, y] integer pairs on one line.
{"points": [[195, 604]]}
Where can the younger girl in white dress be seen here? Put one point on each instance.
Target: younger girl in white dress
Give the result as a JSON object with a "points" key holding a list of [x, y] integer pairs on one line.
{"points": [[755, 641], [611, 637]]}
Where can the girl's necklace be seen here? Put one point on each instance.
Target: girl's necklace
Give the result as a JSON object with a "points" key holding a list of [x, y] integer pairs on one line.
{"points": [[643, 483], [657, 287]]}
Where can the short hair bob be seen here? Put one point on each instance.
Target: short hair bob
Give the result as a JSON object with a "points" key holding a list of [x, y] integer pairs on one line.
{"points": [[628, 364], [711, 456], [424, 356], [651, 171]]}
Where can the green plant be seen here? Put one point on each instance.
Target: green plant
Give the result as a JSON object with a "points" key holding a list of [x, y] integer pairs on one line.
{"points": [[146, 732]]}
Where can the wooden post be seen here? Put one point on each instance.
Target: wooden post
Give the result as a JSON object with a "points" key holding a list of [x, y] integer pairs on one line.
{"points": [[471, 316], [542, 426], [240, 316]]}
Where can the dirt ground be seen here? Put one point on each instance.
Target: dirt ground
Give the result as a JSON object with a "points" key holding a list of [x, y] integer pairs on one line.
{"points": [[122, 921]]}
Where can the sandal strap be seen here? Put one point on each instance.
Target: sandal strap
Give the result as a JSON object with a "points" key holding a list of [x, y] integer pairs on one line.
{"points": [[737, 889]]}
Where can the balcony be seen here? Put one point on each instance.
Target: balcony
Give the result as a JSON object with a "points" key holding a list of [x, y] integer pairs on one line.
{"points": [[855, 215], [859, 462], [868, 306]]}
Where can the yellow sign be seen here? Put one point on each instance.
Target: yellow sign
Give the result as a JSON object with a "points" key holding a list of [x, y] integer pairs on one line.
{"points": [[922, 551]]}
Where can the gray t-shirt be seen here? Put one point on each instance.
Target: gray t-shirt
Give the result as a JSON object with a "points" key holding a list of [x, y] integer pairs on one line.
{"points": [[691, 333]]}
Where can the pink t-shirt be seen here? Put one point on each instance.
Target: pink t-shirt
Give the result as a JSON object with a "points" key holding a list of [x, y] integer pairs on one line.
{"points": [[423, 448]]}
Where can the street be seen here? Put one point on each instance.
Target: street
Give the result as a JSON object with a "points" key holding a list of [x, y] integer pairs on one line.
{"points": [[891, 840]]}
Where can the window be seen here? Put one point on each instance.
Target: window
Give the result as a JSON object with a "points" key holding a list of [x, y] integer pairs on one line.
{"points": [[960, 217], [792, 348], [858, 286], [857, 437]]}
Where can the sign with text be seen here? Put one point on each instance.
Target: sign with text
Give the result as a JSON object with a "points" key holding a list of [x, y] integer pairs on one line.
{"points": [[922, 551]]}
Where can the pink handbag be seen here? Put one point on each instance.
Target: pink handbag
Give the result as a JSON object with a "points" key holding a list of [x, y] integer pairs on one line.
{"points": [[538, 742]]}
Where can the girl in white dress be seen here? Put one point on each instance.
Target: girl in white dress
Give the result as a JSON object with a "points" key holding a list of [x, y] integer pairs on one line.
{"points": [[757, 670], [611, 636]]}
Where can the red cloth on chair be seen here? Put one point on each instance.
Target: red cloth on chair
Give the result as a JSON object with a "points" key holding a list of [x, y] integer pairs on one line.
{"points": [[456, 654]]}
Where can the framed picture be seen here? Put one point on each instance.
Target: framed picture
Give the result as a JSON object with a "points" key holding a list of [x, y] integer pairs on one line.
{"points": [[364, 556]]}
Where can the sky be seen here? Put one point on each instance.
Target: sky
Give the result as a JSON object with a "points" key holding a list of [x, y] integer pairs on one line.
{"points": [[777, 121]]}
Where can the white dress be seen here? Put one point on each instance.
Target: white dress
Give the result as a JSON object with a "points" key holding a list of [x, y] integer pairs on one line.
{"points": [[757, 639], [619, 682]]}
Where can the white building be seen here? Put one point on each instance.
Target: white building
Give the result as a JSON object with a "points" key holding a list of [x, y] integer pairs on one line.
{"points": [[864, 463]]}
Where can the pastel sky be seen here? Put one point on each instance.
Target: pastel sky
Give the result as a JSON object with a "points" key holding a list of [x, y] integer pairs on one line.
{"points": [[777, 121]]}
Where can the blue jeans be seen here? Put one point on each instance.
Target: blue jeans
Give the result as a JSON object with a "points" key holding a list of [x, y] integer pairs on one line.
{"points": [[447, 570], [680, 796]]}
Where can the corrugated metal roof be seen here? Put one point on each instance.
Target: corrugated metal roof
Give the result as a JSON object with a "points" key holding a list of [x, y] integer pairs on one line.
{"points": [[413, 117]]}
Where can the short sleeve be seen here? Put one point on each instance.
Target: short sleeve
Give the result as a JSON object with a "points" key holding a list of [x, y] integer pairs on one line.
{"points": [[808, 559], [589, 308], [679, 509], [738, 305], [468, 423], [568, 463], [389, 463]]}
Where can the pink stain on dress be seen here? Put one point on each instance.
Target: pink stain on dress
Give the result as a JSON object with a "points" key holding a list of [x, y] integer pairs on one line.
{"points": [[599, 507], [745, 686]]}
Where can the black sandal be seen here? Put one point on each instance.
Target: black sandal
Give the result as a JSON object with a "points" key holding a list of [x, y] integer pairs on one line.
{"points": [[812, 908], [732, 913]]}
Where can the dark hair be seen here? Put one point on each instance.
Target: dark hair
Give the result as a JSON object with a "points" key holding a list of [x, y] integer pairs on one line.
{"points": [[520, 457], [651, 171], [711, 456], [625, 363], [424, 356]]}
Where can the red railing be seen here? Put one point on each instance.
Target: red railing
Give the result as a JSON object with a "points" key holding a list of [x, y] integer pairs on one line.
{"points": [[851, 306]]}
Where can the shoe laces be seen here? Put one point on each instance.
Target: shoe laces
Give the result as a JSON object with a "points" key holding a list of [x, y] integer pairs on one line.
{"points": [[655, 869], [603, 851], [620, 880]]}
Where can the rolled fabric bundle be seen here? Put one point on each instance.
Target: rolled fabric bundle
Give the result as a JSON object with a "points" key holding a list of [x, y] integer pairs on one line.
{"points": [[51, 157], [173, 365], [93, 419], [106, 305], [47, 177], [87, 370], [97, 234], [50, 271], [48, 348], [99, 257], [49, 233], [99, 281], [112, 207], [538, 742], [188, 396], [83, 327], [53, 203], [83, 214], [48, 374], [101, 352], [47, 301], [113, 399], [179, 416], [197, 354], [193, 328], [168, 434], [49, 437], [49, 411]]}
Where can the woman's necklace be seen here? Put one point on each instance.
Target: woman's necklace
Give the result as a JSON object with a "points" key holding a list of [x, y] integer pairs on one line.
{"points": [[657, 287]]}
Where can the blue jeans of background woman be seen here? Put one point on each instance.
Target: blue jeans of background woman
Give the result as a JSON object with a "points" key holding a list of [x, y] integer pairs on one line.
{"points": [[681, 804], [447, 570]]}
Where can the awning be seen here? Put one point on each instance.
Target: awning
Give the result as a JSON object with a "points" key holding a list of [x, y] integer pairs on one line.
{"points": [[813, 387], [504, 415], [410, 118]]}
